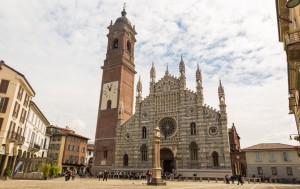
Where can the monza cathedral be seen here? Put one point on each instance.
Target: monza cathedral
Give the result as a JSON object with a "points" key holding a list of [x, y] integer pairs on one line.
{"points": [[194, 136]]}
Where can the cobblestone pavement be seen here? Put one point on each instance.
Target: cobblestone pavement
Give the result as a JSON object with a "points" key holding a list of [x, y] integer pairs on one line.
{"points": [[87, 183]]}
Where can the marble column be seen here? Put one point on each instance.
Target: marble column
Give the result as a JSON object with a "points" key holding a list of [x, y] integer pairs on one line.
{"points": [[156, 176]]}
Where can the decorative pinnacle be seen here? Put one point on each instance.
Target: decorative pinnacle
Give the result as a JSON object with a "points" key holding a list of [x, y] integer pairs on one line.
{"points": [[167, 70]]}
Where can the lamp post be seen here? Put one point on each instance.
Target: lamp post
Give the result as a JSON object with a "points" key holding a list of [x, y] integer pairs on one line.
{"points": [[292, 3]]}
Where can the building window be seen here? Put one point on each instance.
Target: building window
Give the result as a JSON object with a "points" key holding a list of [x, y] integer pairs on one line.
{"points": [[272, 156], [285, 156], [289, 171], [115, 44], [144, 152], [128, 46], [193, 151], [26, 100], [20, 93], [257, 156], [274, 170], [16, 110], [105, 154], [71, 158], [4, 86], [108, 105], [82, 160], [144, 132], [215, 157], [76, 159], [1, 122], [193, 128], [83, 150], [259, 171], [125, 160], [90, 153], [3, 104], [23, 116], [57, 146]]}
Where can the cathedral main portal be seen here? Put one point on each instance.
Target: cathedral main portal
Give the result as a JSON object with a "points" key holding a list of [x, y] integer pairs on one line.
{"points": [[167, 160]]}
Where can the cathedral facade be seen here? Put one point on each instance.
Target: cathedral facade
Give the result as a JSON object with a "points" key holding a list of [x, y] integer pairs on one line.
{"points": [[193, 135]]}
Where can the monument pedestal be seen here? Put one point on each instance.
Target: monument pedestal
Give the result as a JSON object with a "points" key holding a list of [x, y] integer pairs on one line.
{"points": [[157, 182]]}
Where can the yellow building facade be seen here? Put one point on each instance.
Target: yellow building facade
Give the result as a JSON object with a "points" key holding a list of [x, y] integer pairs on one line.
{"points": [[15, 95], [273, 160], [288, 20]]}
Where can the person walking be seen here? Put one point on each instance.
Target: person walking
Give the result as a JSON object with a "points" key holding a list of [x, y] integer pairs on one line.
{"points": [[105, 175], [148, 176], [239, 178]]}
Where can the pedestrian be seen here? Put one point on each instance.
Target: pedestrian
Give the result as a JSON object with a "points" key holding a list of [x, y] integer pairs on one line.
{"points": [[232, 179], [73, 175], [148, 176], [239, 178], [227, 179], [105, 175]]}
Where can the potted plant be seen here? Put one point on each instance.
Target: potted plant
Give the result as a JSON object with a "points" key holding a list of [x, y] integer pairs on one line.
{"points": [[7, 172], [46, 171]]}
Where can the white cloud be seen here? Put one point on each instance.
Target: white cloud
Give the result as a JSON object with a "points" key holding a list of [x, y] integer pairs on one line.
{"points": [[60, 46]]}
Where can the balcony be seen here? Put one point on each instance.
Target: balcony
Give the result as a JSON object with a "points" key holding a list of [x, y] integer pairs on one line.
{"points": [[292, 42], [15, 137], [33, 147]]}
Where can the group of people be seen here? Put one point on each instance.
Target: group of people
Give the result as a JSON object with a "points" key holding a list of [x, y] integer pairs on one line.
{"points": [[68, 174], [232, 178]]}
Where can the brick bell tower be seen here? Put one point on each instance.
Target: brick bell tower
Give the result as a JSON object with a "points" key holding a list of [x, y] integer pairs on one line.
{"points": [[117, 89]]}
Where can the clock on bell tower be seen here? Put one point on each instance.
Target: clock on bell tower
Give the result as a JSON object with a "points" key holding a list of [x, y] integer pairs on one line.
{"points": [[117, 88]]}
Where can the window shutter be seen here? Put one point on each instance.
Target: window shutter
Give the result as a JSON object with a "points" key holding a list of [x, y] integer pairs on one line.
{"points": [[1, 122], [3, 110], [4, 86]]}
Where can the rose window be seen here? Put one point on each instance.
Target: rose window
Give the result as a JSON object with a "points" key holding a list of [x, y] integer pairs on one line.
{"points": [[167, 126]]}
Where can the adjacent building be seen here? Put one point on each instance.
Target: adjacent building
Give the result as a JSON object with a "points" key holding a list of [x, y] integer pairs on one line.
{"points": [[89, 157], [237, 156], [273, 160], [15, 95], [194, 135], [36, 138], [67, 148], [288, 20]]}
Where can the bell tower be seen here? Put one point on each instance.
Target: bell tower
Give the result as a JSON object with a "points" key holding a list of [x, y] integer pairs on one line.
{"points": [[117, 89]]}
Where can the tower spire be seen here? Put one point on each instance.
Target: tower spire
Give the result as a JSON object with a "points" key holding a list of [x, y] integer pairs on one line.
{"points": [[124, 12], [222, 103], [152, 73], [139, 87], [199, 87]]}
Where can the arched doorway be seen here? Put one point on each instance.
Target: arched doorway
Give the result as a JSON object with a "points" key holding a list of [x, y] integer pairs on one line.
{"points": [[167, 160]]}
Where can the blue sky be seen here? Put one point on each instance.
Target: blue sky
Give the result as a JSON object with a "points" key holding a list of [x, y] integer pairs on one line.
{"points": [[60, 46]]}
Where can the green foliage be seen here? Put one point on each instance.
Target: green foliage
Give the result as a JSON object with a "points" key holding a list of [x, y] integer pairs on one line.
{"points": [[46, 170], [7, 171], [54, 170]]}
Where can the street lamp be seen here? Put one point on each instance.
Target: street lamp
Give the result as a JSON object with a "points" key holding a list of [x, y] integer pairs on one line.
{"points": [[292, 3]]}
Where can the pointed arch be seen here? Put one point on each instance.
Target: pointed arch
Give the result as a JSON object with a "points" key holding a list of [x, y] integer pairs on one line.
{"points": [[144, 152], [144, 132], [125, 160], [215, 158], [193, 151], [193, 128]]}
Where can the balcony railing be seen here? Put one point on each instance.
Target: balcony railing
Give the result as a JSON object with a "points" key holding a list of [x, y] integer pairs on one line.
{"points": [[15, 137], [36, 146], [293, 37]]}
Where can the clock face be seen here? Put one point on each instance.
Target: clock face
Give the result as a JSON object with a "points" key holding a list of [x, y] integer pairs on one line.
{"points": [[109, 95], [110, 90]]}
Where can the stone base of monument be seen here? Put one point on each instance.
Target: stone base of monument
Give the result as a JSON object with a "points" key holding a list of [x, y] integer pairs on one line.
{"points": [[157, 182]]}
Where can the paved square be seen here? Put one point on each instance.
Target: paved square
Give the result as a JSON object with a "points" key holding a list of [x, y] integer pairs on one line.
{"points": [[88, 183]]}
